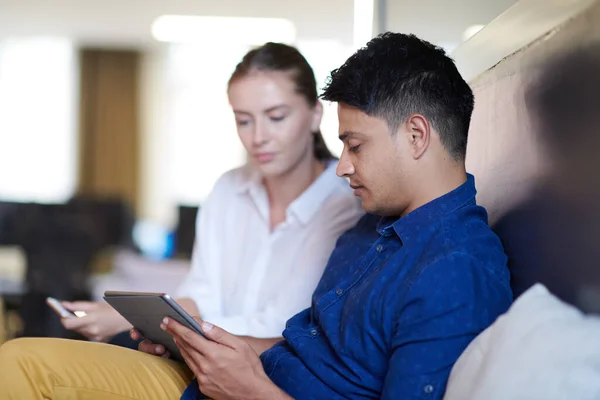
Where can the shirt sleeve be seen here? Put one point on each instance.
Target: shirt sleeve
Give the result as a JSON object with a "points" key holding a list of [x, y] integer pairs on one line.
{"points": [[450, 302], [295, 293]]}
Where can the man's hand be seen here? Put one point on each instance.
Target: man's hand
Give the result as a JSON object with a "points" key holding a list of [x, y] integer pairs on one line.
{"points": [[100, 323], [147, 346], [226, 366]]}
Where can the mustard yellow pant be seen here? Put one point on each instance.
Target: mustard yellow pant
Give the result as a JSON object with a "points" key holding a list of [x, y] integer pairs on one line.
{"points": [[41, 368]]}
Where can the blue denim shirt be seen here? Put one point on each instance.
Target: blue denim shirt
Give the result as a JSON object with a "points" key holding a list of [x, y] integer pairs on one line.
{"points": [[397, 304]]}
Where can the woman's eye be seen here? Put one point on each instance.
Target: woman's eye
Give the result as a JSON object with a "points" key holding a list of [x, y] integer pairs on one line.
{"points": [[354, 149], [277, 118], [242, 123]]}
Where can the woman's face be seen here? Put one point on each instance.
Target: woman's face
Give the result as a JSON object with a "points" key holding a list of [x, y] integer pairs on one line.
{"points": [[274, 122]]}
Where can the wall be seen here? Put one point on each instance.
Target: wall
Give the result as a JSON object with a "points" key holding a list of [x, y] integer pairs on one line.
{"points": [[503, 152], [324, 32], [442, 22]]}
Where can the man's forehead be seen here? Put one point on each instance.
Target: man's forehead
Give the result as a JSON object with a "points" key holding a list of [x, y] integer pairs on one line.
{"points": [[353, 120], [350, 110]]}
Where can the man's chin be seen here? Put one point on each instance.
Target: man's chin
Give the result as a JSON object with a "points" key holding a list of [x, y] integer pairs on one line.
{"points": [[372, 208], [366, 205]]}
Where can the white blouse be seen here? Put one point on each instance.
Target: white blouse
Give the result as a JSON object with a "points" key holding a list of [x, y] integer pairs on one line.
{"points": [[250, 280]]}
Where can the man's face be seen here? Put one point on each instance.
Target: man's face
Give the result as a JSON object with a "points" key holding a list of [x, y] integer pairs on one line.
{"points": [[376, 162]]}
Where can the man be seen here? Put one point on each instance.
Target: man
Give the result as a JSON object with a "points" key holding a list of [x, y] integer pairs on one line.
{"points": [[404, 292]]}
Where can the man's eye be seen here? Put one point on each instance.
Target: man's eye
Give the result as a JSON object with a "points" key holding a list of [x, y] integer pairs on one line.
{"points": [[242, 123], [278, 118], [354, 149]]}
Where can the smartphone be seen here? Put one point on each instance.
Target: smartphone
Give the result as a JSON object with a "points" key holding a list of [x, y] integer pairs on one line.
{"points": [[60, 310]]}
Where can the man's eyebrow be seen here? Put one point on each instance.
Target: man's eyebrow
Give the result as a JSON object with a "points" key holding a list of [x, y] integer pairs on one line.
{"points": [[346, 134]]}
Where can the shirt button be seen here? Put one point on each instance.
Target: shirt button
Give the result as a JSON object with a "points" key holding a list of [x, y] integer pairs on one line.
{"points": [[314, 332], [428, 389], [379, 248], [339, 292]]}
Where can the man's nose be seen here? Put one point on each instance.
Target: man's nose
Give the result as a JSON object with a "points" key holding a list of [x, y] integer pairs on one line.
{"points": [[345, 168]]}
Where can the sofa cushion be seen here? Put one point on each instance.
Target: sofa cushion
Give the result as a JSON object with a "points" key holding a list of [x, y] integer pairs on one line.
{"points": [[541, 348]]}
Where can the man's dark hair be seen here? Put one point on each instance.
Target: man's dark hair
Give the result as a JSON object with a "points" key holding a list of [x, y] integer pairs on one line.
{"points": [[397, 75]]}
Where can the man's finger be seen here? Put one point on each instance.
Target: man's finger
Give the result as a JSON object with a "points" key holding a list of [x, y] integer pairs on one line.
{"points": [[182, 345], [190, 360], [147, 346], [214, 333], [134, 334], [220, 335], [181, 333]]}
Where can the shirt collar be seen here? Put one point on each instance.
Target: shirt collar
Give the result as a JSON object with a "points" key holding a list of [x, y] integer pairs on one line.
{"points": [[312, 199], [410, 225], [309, 202]]}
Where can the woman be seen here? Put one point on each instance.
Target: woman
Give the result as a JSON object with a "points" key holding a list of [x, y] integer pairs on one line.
{"points": [[265, 233]]}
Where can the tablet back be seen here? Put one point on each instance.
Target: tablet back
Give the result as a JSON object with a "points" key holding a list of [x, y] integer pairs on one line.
{"points": [[145, 311]]}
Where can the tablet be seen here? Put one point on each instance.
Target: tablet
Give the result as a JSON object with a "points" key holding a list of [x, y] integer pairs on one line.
{"points": [[145, 311]]}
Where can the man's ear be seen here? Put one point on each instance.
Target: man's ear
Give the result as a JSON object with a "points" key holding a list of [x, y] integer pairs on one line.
{"points": [[418, 134]]}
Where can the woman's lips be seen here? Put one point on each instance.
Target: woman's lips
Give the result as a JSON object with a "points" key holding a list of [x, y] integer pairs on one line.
{"points": [[265, 157]]}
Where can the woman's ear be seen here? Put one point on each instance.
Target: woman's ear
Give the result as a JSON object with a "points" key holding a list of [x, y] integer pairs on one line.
{"points": [[317, 117]]}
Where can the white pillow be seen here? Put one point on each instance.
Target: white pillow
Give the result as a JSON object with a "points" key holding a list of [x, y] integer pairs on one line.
{"points": [[541, 349]]}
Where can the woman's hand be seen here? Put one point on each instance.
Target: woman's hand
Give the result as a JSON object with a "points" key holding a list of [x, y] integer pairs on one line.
{"points": [[100, 323]]}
